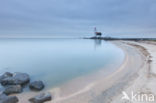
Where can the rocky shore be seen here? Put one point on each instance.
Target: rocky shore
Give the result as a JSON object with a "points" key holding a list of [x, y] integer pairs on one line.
{"points": [[14, 83]]}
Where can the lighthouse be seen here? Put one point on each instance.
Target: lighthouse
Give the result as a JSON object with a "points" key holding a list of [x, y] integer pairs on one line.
{"points": [[97, 34]]}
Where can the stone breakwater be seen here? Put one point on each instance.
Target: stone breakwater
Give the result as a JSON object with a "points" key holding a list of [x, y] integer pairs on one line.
{"points": [[14, 83]]}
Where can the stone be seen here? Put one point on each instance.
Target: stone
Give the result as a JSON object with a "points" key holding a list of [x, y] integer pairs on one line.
{"points": [[13, 89], [16, 79], [5, 75], [8, 99], [36, 85], [41, 98]]}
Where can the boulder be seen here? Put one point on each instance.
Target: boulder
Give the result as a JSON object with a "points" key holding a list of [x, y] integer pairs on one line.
{"points": [[13, 89], [16, 79], [41, 98], [8, 99], [36, 85], [5, 75]]}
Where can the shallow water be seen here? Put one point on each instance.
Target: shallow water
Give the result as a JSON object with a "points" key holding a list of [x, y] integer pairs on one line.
{"points": [[56, 61]]}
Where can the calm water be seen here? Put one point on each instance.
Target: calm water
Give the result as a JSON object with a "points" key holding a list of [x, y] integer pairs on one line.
{"points": [[56, 61]]}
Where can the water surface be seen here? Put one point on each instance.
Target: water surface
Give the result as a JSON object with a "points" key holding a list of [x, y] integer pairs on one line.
{"points": [[56, 61]]}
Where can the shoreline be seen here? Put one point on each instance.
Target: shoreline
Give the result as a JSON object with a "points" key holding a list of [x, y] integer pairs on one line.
{"points": [[73, 87], [91, 81], [97, 89]]}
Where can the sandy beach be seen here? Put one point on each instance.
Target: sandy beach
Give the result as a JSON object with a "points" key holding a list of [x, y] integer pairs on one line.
{"points": [[136, 74], [144, 83]]}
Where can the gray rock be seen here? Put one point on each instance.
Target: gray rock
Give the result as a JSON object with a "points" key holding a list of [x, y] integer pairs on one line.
{"points": [[13, 89], [8, 99], [16, 79], [41, 98], [36, 85], [5, 75]]}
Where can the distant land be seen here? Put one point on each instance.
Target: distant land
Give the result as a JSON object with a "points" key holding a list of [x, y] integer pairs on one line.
{"points": [[118, 38]]}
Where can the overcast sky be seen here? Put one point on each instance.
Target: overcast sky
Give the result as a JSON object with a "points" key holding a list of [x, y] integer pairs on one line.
{"points": [[77, 17]]}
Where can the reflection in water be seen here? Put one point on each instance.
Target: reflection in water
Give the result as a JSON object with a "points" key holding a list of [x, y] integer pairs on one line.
{"points": [[97, 43]]}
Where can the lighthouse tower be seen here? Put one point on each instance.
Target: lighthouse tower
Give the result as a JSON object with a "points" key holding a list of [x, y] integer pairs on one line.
{"points": [[97, 34]]}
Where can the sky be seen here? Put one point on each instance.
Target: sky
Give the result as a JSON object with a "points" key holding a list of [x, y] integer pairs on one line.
{"points": [[77, 17]]}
